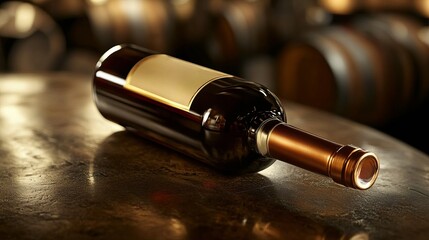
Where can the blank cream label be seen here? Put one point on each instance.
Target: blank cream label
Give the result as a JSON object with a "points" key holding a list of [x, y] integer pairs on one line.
{"points": [[170, 80]]}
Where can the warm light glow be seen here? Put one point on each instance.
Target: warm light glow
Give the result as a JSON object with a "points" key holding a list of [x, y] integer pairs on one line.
{"points": [[264, 230], [24, 18], [91, 178], [276, 171], [177, 227], [9, 84], [4, 17], [317, 15], [97, 2], [40, 1], [31, 159], [152, 222], [339, 6], [423, 35], [184, 8], [422, 6], [400, 31]]}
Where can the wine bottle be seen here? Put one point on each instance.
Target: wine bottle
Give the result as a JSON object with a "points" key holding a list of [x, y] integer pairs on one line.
{"points": [[222, 120]]}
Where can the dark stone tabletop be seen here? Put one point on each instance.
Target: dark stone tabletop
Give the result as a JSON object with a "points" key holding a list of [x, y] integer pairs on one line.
{"points": [[67, 173]]}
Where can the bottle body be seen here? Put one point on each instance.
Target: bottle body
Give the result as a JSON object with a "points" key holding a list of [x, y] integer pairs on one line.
{"points": [[217, 125]]}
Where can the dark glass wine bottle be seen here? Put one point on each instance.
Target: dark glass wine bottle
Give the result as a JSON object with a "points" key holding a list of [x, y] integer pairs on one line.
{"points": [[229, 123]]}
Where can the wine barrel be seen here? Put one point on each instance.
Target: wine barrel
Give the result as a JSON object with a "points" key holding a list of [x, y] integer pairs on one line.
{"points": [[405, 30], [32, 40], [402, 59], [337, 69], [287, 18], [240, 31], [353, 6], [372, 69], [149, 23], [60, 9], [194, 24]]}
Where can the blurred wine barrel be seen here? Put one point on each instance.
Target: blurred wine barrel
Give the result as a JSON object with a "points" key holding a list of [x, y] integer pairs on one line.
{"points": [[61, 8], [287, 18], [194, 18], [405, 30], [194, 21], [190, 19], [31, 39], [398, 35], [424, 35], [149, 23], [352, 6], [239, 32], [372, 69], [339, 70]]}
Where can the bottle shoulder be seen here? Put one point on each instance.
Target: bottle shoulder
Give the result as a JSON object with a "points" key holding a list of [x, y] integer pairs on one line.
{"points": [[234, 106], [232, 109], [236, 96]]}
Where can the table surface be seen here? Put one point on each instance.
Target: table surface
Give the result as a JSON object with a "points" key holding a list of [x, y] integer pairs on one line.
{"points": [[66, 172]]}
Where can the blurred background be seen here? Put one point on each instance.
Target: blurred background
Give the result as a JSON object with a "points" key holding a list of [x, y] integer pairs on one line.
{"points": [[366, 60]]}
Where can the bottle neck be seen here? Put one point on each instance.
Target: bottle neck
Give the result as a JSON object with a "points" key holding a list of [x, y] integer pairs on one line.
{"points": [[345, 164]]}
